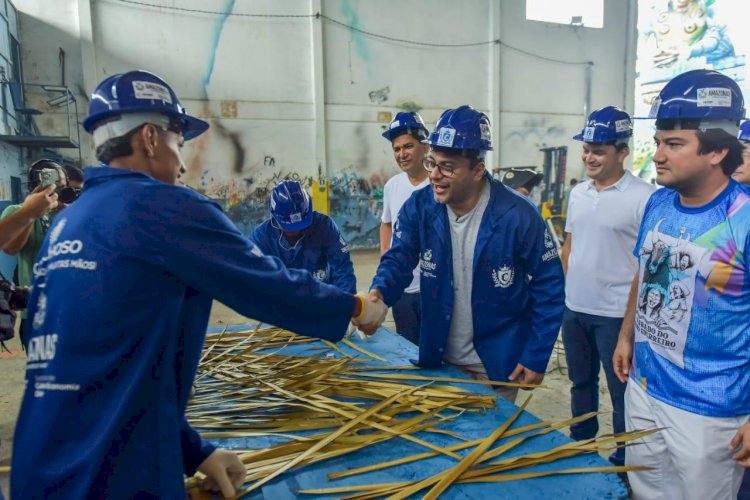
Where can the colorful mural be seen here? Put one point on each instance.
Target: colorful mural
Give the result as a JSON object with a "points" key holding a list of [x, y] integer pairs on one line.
{"points": [[675, 36]]}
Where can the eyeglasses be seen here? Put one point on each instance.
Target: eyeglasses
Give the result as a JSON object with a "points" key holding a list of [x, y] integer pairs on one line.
{"points": [[446, 169]]}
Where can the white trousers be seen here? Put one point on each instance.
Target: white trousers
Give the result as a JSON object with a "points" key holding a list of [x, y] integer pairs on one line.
{"points": [[690, 456]]}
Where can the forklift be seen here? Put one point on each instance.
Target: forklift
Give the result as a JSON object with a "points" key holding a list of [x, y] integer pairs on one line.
{"points": [[553, 191]]}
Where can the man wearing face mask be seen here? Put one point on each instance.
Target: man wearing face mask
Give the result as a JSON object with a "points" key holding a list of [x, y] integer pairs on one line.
{"points": [[42, 174], [305, 239], [123, 288]]}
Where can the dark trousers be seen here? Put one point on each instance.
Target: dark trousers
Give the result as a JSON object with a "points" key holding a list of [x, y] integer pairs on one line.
{"points": [[588, 341], [22, 334], [407, 313], [744, 493]]}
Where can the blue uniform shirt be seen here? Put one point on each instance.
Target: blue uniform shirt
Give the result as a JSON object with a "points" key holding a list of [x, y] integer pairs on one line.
{"points": [[517, 297], [321, 250], [121, 298]]}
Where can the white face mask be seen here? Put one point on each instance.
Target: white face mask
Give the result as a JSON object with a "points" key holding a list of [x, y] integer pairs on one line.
{"points": [[283, 242]]}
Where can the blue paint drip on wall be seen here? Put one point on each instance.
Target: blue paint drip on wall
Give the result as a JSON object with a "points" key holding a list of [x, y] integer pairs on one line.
{"points": [[352, 19], [215, 45]]}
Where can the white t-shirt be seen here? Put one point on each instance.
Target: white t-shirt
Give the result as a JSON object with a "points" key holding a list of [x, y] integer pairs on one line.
{"points": [[397, 190], [604, 227]]}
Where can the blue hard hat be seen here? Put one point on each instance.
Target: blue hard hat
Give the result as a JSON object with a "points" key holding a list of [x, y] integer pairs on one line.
{"points": [[462, 128], [703, 95], [744, 133], [608, 124], [407, 122], [291, 206], [139, 92]]}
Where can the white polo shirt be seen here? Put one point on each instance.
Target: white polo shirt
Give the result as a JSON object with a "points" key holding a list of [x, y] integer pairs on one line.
{"points": [[397, 190], [604, 227]]}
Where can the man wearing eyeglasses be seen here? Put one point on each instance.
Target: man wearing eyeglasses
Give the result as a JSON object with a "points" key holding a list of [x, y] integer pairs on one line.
{"points": [[490, 276]]}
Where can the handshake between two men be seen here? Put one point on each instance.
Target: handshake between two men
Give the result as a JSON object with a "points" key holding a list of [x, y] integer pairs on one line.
{"points": [[369, 312]]}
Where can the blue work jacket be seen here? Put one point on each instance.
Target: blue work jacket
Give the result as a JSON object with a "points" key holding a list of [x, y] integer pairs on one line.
{"points": [[122, 292], [321, 250], [517, 296]]}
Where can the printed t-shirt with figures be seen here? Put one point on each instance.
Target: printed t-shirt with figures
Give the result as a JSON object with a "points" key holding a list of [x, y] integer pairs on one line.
{"points": [[692, 324]]}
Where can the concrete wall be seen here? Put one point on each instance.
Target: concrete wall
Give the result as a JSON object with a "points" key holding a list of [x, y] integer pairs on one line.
{"points": [[303, 97]]}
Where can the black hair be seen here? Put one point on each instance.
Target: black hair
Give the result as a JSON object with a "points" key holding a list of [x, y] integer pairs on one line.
{"points": [[117, 146], [711, 140], [474, 156], [74, 173], [714, 140], [417, 133]]}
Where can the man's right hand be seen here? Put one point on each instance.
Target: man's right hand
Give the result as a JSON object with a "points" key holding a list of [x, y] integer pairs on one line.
{"points": [[373, 312], [622, 358], [40, 201]]}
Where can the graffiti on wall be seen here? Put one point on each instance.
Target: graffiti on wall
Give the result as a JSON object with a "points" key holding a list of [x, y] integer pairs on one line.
{"points": [[356, 206], [356, 203]]}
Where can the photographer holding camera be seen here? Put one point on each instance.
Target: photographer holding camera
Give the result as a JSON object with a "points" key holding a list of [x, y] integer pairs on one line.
{"points": [[48, 184]]}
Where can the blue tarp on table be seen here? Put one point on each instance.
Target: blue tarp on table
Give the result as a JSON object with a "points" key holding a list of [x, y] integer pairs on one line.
{"points": [[398, 352]]}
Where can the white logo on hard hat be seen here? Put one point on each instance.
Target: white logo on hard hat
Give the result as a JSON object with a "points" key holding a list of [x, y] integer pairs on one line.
{"points": [[588, 134], [622, 125], [295, 217], [151, 91], [715, 97], [446, 136]]}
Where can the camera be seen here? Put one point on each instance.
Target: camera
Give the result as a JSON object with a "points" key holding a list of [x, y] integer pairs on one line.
{"points": [[48, 176], [17, 297]]}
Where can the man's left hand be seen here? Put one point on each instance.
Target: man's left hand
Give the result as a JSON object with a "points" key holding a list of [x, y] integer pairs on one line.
{"points": [[522, 375], [740, 443], [224, 472]]}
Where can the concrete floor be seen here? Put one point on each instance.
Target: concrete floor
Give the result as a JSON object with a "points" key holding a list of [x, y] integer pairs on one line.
{"points": [[551, 403]]}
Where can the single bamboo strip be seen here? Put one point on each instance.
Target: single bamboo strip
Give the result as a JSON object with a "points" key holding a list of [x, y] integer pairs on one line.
{"points": [[459, 380], [362, 351]]}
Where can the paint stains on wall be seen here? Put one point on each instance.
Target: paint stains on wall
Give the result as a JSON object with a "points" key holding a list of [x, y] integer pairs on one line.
{"points": [[238, 150], [379, 96]]}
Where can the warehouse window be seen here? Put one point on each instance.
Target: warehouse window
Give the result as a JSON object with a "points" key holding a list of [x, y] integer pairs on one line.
{"points": [[587, 13]]}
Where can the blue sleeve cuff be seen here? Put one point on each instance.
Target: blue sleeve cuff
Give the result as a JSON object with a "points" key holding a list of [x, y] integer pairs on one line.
{"points": [[194, 449]]}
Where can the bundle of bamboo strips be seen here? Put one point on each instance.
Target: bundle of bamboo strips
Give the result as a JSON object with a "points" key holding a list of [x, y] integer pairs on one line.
{"points": [[247, 388]]}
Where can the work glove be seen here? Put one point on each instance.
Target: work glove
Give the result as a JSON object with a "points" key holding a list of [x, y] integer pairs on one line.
{"points": [[372, 313], [224, 472]]}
